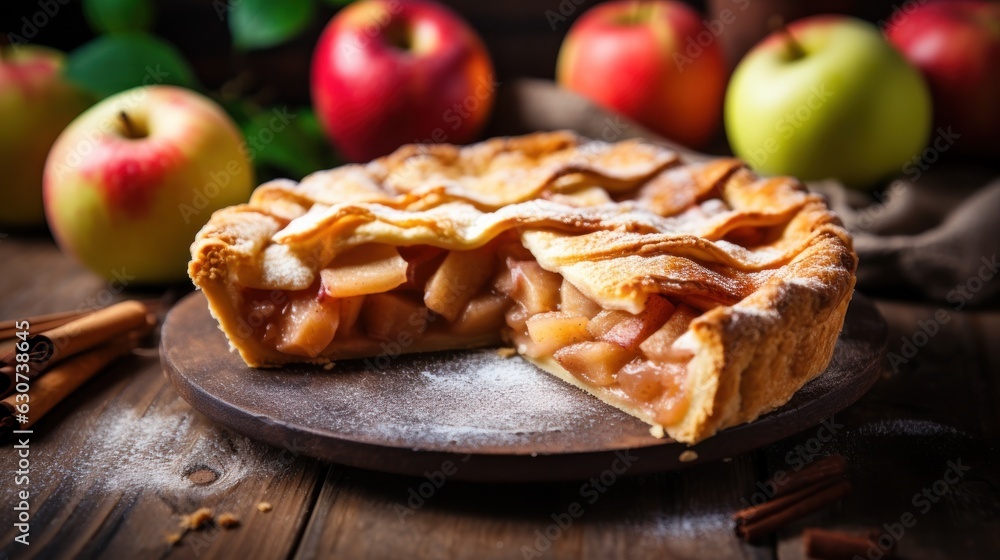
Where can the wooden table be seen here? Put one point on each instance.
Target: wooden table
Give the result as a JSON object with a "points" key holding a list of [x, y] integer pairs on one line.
{"points": [[114, 467]]}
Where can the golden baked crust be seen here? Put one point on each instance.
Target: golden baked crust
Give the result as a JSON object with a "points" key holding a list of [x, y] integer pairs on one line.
{"points": [[767, 263]]}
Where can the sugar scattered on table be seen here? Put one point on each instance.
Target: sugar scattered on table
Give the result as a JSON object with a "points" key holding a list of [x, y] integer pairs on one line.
{"points": [[156, 448]]}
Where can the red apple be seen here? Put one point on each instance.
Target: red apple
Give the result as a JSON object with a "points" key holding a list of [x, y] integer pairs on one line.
{"points": [[130, 182], [655, 62], [392, 72], [957, 47], [36, 104]]}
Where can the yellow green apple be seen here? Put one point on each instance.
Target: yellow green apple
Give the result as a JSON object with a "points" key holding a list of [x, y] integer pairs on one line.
{"points": [[36, 104], [827, 98], [129, 183]]}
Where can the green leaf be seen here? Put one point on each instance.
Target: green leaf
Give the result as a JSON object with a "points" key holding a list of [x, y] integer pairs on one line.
{"points": [[118, 16], [285, 143], [258, 24], [114, 63]]}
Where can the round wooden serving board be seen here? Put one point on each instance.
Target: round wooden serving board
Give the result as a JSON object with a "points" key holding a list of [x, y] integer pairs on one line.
{"points": [[495, 419]]}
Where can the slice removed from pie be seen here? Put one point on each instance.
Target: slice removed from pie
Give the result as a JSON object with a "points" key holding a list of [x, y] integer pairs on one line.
{"points": [[693, 296]]}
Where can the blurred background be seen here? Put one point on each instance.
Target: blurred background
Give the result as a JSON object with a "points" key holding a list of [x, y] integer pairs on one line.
{"points": [[522, 37]]}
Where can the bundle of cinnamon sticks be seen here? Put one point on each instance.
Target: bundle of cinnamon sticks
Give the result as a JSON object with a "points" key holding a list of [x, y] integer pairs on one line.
{"points": [[44, 359], [817, 485]]}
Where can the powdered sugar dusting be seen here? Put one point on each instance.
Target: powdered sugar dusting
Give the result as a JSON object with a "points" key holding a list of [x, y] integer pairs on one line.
{"points": [[157, 449], [474, 396]]}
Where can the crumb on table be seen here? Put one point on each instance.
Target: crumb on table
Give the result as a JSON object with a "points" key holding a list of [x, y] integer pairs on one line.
{"points": [[197, 520], [688, 455], [264, 507], [173, 539], [227, 520], [506, 352]]}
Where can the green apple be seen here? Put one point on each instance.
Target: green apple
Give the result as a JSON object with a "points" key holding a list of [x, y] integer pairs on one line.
{"points": [[36, 104], [827, 98], [131, 181]]}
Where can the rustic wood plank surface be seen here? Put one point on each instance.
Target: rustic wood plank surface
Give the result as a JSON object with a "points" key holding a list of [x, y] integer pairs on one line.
{"points": [[116, 464]]}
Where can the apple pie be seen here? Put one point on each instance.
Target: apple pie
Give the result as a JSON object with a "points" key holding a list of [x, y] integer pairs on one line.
{"points": [[694, 296]]}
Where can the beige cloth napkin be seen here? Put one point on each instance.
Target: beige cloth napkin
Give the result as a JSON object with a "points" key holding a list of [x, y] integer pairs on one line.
{"points": [[935, 236]]}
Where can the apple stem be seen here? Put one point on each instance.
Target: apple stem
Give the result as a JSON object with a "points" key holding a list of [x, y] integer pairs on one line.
{"points": [[778, 24], [130, 130]]}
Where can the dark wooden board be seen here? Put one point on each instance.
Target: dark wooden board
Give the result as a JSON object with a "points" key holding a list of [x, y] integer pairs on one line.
{"points": [[497, 419]]}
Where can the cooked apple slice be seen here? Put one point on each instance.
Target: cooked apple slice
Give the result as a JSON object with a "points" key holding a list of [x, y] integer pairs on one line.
{"points": [[461, 276], [658, 345], [482, 314], [551, 331], [391, 315], [309, 325], [350, 312], [596, 362], [573, 302], [534, 287], [422, 261], [641, 379], [633, 329], [676, 399], [368, 269], [605, 321]]}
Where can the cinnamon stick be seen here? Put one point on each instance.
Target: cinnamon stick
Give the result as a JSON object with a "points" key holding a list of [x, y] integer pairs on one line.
{"points": [[823, 544], [48, 321], [826, 468], [757, 521], [58, 383], [37, 349], [775, 505], [87, 331], [12, 323], [8, 329]]}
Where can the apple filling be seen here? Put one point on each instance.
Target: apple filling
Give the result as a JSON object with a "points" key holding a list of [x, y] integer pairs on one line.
{"points": [[495, 293]]}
